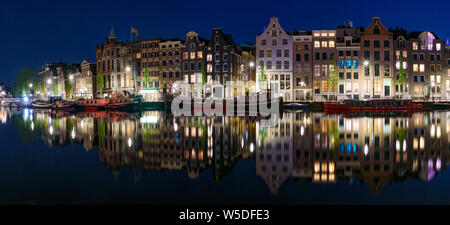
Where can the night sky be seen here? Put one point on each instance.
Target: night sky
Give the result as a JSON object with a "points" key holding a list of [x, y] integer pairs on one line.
{"points": [[37, 32]]}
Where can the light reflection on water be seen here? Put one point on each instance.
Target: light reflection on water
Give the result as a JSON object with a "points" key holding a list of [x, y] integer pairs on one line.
{"points": [[303, 146]]}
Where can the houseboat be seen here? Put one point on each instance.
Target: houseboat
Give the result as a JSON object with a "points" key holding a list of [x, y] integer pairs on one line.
{"points": [[122, 102], [382, 104], [63, 105], [91, 104]]}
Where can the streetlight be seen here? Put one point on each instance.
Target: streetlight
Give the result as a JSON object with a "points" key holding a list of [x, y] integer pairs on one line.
{"points": [[71, 77], [49, 81], [128, 69], [30, 85], [252, 64], [366, 63]]}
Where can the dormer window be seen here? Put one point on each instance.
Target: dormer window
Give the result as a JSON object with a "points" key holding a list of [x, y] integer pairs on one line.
{"points": [[274, 33], [376, 30]]}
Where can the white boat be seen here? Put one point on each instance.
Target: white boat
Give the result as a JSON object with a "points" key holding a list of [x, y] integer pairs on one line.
{"points": [[39, 104]]}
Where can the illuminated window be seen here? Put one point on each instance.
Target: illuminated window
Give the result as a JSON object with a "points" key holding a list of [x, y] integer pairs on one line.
{"points": [[438, 46], [209, 68], [331, 44], [422, 67], [316, 44], [324, 34], [185, 55], [438, 79], [415, 67], [209, 57], [316, 34], [192, 55], [405, 54], [415, 46], [269, 53], [200, 54], [324, 86], [331, 34], [324, 44]]}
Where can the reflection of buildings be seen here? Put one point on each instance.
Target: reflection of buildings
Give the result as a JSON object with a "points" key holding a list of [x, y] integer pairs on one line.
{"points": [[274, 159], [312, 147]]}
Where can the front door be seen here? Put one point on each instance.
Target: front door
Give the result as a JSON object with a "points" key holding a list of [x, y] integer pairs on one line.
{"points": [[387, 91]]}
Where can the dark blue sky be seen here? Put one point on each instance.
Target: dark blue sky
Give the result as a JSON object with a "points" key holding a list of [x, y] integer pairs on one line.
{"points": [[38, 32]]}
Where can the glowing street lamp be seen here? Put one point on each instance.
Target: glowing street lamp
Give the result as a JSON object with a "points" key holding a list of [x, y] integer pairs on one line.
{"points": [[71, 77], [252, 64], [366, 63], [30, 85], [49, 81], [128, 69]]}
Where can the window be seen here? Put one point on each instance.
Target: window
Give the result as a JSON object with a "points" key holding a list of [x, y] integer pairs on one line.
{"points": [[225, 67], [366, 55], [269, 53], [324, 44], [415, 79], [285, 41], [366, 70], [298, 68], [348, 75], [422, 68], [387, 70], [269, 65], [274, 42], [324, 86], [306, 57], [278, 65], [377, 69], [355, 53], [341, 53], [376, 30], [316, 44], [261, 53], [298, 57], [286, 64], [209, 68], [376, 55], [225, 57], [422, 79], [376, 44], [348, 64], [286, 53], [278, 53], [366, 43], [341, 64], [324, 56], [317, 70], [438, 46], [192, 55], [341, 75], [422, 57], [355, 75], [387, 55], [331, 44], [348, 53], [263, 42], [355, 64], [386, 44]]}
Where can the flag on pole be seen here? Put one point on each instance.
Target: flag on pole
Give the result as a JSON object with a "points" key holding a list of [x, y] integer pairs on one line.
{"points": [[135, 31]]}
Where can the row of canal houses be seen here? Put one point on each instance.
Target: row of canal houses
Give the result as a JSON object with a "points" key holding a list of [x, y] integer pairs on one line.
{"points": [[298, 65]]}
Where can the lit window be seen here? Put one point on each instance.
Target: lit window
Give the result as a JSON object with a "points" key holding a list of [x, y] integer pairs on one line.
{"points": [[438, 79], [331, 34], [438, 46], [185, 55], [415, 46], [331, 44], [324, 44], [422, 67], [405, 54], [397, 65], [317, 44], [324, 34], [405, 65], [209, 57], [192, 55], [316, 34], [415, 67], [200, 54]]}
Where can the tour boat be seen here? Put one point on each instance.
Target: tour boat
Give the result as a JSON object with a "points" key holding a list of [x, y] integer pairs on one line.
{"points": [[39, 104], [91, 104], [382, 104], [63, 105]]}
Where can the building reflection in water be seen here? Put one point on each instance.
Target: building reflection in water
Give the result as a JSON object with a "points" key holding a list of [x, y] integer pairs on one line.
{"points": [[305, 146]]}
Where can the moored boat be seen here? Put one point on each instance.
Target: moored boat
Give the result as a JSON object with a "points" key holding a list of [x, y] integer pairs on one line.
{"points": [[382, 104], [121, 102], [91, 104], [40, 104], [63, 105]]}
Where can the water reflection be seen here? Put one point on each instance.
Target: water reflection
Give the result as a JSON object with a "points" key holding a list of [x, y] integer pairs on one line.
{"points": [[305, 146]]}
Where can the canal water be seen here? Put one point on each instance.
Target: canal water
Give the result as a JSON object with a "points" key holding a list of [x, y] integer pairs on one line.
{"points": [[154, 158]]}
